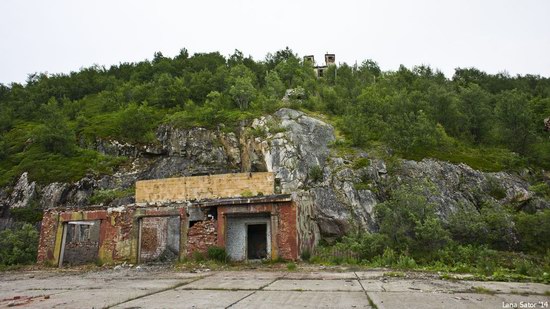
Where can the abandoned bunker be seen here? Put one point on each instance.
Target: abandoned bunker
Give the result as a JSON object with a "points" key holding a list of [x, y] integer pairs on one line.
{"points": [[175, 218]]}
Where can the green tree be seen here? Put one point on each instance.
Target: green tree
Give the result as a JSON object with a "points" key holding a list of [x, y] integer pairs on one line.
{"points": [[515, 121], [475, 105], [274, 87], [54, 134], [410, 131], [136, 122], [242, 92]]}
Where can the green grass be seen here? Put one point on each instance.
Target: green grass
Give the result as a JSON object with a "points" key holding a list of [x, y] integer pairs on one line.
{"points": [[360, 163], [480, 158], [483, 290], [107, 196], [45, 167]]}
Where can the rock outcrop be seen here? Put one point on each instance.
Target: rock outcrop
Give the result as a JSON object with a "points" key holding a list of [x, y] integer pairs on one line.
{"points": [[333, 192]]}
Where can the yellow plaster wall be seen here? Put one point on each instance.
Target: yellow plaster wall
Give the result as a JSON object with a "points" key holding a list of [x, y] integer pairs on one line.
{"points": [[205, 187]]}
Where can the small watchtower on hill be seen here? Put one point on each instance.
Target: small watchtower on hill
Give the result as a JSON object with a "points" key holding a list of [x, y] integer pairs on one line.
{"points": [[320, 70]]}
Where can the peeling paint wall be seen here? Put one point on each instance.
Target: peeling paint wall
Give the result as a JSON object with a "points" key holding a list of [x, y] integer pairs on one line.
{"points": [[307, 228], [118, 234], [160, 239]]}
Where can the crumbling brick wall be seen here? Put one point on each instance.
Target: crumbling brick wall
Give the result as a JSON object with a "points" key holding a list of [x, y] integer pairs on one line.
{"points": [[118, 230], [201, 235], [48, 232]]}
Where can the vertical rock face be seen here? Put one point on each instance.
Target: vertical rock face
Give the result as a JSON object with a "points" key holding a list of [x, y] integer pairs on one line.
{"points": [[23, 192], [340, 197], [299, 143]]}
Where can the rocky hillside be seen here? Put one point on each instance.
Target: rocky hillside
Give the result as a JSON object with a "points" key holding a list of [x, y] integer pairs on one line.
{"points": [[336, 189]]}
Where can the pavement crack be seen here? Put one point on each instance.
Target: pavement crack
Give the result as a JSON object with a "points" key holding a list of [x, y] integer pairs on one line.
{"points": [[261, 288], [371, 303], [241, 299], [157, 292]]}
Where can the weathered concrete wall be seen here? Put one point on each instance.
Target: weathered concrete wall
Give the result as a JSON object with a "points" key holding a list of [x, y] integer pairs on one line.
{"points": [[119, 230], [201, 235], [236, 235], [284, 241], [205, 187], [307, 228]]}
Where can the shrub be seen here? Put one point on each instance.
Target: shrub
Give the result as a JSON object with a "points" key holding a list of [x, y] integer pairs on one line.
{"points": [[501, 233], [410, 222], [315, 173], [387, 259], [107, 196], [495, 188], [216, 253], [198, 256], [405, 262], [18, 246], [525, 267], [305, 255], [372, 245], [467, 227], [541, 189], [31, 214], [360, 163], [291, 266], [533, 231]]}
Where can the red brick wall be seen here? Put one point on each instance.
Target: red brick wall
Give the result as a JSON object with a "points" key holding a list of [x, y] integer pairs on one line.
{"points": [[47, 237], [202, 235], [287, 233]]}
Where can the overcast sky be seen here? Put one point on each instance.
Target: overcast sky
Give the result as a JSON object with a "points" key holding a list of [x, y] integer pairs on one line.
{"points": [[59, 36]]}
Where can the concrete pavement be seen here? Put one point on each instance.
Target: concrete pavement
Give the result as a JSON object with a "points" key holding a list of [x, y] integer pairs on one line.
{"points": [[168, 288]]}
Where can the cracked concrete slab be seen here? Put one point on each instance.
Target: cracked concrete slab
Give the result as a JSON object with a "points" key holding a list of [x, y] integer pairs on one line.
{"points": [[72, 292], [187, 299], [215, 283], [320, 275], [308, 299], [423, 285], [370, 274], [390, 300], [511, 287], [315, 285], [259, 275], [168, 288], [372, 285]]}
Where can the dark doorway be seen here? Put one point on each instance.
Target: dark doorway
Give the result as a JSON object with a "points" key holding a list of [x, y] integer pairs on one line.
{"points": [[256, 241]]}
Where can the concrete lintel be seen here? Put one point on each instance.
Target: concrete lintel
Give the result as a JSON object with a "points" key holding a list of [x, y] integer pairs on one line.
{"points": [[236, 201]]}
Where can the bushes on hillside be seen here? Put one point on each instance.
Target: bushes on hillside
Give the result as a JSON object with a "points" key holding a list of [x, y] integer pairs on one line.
{"points": [[18, 246]]}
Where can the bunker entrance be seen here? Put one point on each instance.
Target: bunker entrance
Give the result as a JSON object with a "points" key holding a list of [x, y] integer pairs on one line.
{"points": [[159, 239], [248, 236], [80, 243], [256, 241]]}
